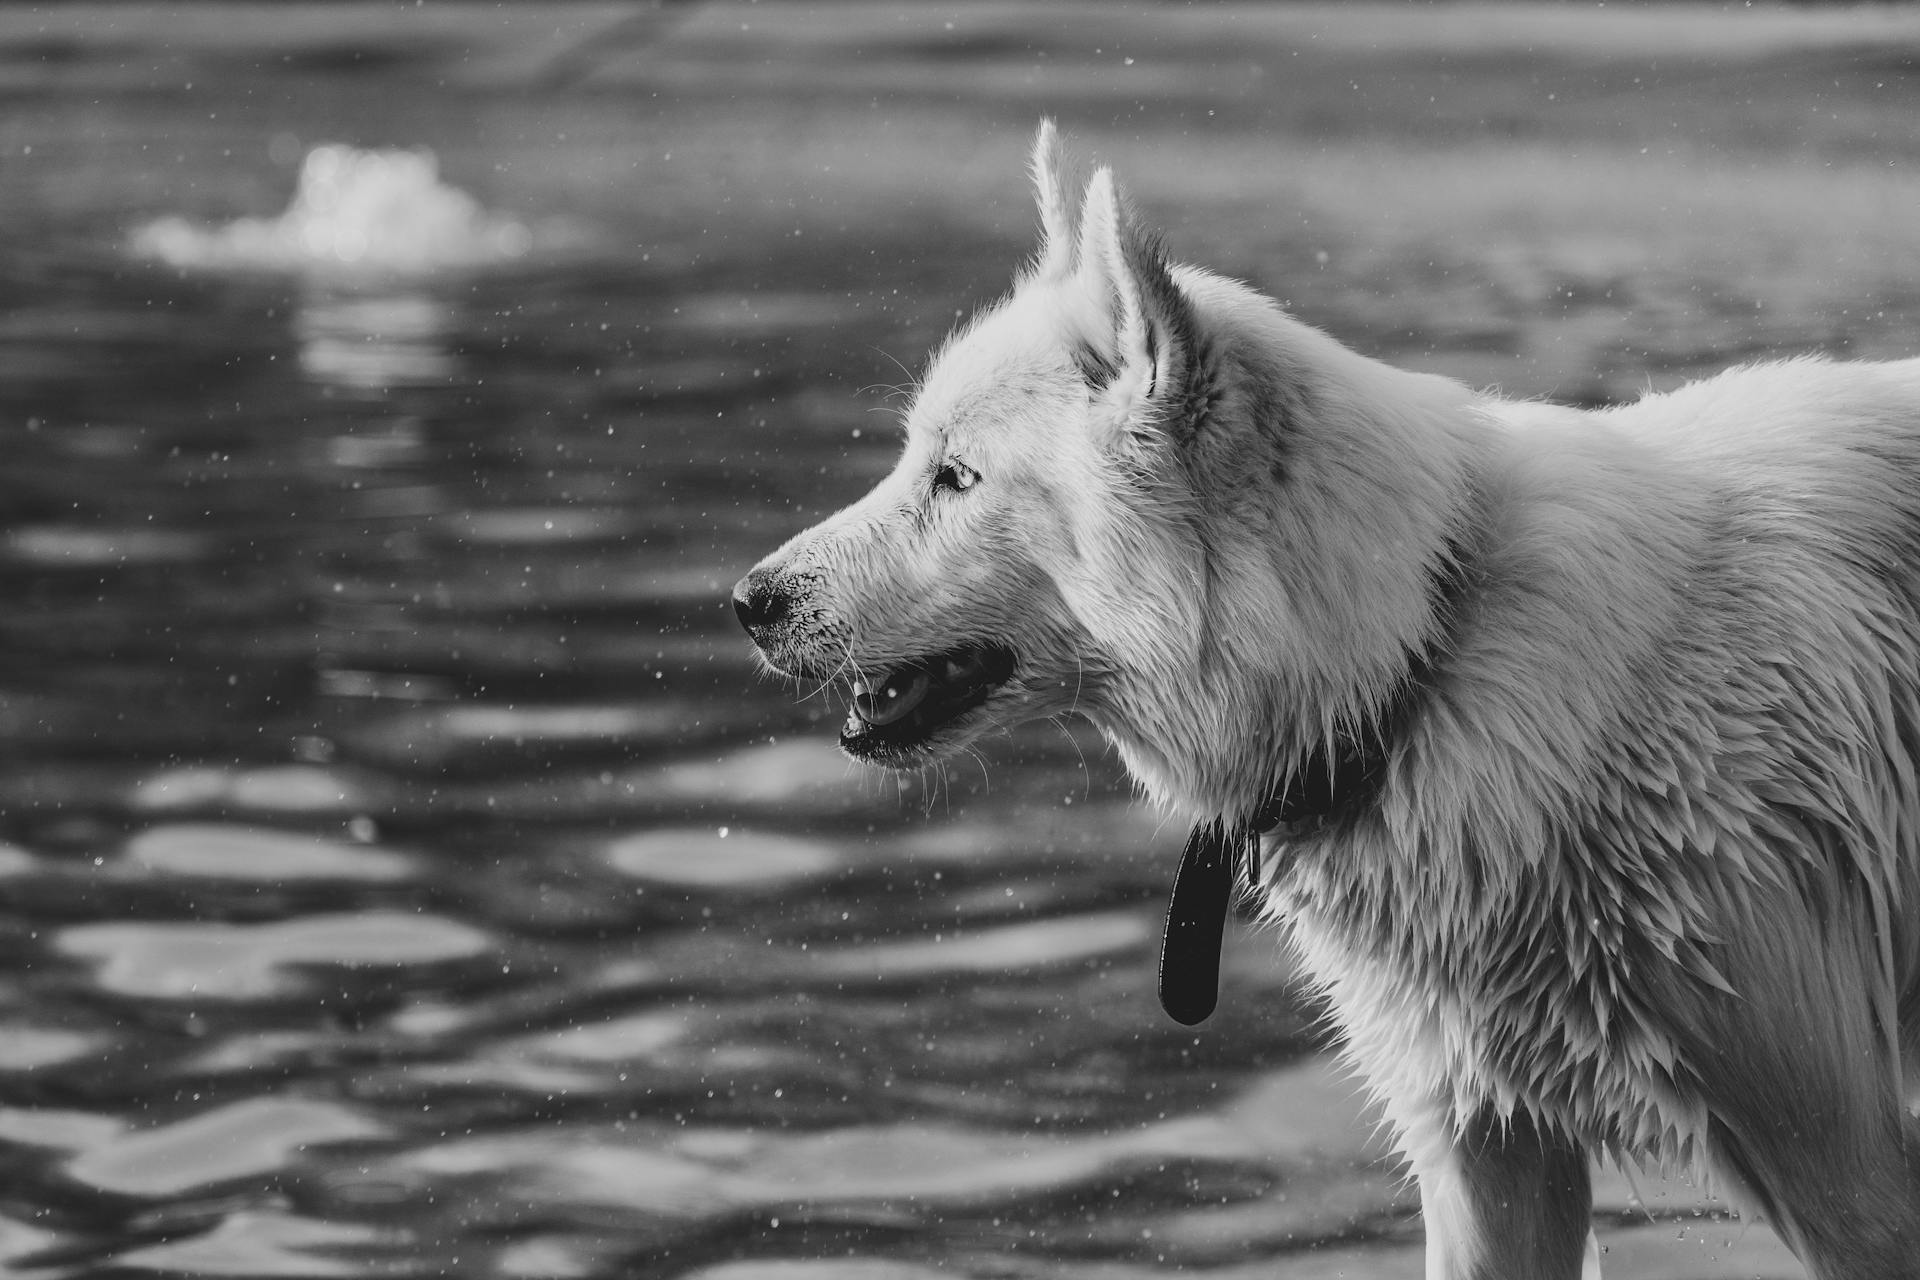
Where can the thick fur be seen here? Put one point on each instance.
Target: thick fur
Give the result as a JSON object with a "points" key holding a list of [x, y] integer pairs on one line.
{"points": [[1641, 878]]}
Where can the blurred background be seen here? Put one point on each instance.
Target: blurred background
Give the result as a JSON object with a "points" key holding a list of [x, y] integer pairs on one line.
{"points": [[404, 869]]}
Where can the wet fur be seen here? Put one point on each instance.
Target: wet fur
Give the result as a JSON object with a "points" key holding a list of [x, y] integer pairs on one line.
{"points": [[1641, 878]]}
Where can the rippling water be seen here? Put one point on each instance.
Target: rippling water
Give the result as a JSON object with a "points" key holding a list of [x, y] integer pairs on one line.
{"points": [[406, 869]]}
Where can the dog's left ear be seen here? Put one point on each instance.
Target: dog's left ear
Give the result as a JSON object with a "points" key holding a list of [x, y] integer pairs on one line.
{"points": [[1141, 363], [1051, 170]]}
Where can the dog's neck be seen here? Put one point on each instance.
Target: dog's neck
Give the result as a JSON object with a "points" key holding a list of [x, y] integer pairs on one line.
{"points": [[1343, 774], [1338, 779], [1289, 649]]}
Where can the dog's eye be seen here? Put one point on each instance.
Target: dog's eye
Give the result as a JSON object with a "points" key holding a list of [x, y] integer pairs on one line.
{"points": [[957, 476]]}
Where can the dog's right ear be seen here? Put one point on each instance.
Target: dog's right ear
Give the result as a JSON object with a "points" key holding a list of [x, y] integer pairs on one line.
{"points": [[1141, 362], [1051, 171]]}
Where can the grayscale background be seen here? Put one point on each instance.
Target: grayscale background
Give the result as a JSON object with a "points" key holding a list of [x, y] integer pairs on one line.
{"points": [[405, 869]]}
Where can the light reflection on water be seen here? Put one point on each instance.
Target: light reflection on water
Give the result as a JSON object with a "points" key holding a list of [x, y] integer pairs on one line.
{"points": [[372, 343]]}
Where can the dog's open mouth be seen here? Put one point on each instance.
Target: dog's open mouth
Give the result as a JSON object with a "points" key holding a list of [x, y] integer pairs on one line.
{"points": [[895, 712]]}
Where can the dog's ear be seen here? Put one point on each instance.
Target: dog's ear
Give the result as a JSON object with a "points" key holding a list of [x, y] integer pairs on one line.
{"points": [[1050, 173], [1142, 362]]}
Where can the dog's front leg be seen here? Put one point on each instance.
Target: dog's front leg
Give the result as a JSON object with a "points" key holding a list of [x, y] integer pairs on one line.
{"points": [[1503, 1200]]}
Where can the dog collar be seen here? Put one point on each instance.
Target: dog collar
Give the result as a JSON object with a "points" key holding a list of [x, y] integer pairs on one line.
{"points": [[1334, 781]]}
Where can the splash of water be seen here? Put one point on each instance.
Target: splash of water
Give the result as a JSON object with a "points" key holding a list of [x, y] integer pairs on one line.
{"points": [[354, 213]]}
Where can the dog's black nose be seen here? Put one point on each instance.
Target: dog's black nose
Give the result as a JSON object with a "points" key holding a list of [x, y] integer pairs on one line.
{"points": [[758, 602]]}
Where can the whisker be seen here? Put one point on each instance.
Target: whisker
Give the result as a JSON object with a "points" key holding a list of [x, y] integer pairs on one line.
{"points": [[846, 658], [986, 777], [1086, 774], [913, 379], [945, 777]]}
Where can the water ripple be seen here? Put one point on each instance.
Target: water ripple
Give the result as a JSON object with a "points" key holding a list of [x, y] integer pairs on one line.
{"points": [[262, 1243], [240, 1140], [256, 853], [703, 857], [182, 960], [293, 788], [1010, 948]]}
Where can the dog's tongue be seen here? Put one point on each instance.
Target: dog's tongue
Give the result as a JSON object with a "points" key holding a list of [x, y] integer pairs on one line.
{"points": [[897, 695]]}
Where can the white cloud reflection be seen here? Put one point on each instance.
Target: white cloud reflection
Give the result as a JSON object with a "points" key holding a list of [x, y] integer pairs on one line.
{"points": [[355, 213]]}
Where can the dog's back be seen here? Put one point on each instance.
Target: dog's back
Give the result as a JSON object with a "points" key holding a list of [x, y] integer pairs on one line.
{"points": [[1647, 868]]}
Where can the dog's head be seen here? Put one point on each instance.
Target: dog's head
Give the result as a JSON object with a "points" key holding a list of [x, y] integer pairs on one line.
{"points": [[1085, 519]]}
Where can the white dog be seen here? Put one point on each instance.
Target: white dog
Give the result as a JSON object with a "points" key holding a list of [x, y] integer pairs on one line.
{"points": [[1581, 747]]}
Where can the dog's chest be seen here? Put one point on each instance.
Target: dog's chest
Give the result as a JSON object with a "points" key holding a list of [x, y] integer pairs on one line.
{"points": [[1475, 1005]]}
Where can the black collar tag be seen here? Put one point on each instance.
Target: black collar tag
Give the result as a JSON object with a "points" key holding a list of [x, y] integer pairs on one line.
{"points": [[1197, 921]]}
